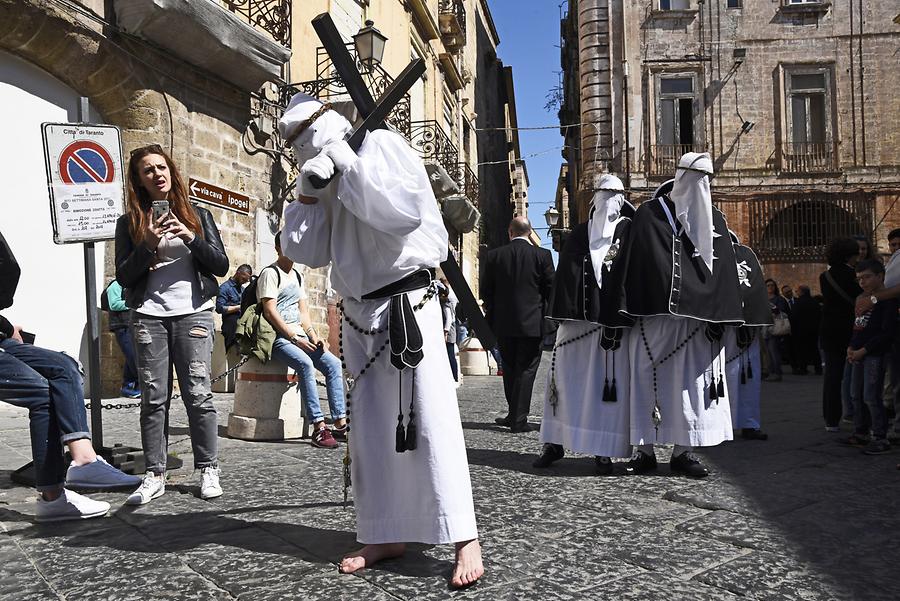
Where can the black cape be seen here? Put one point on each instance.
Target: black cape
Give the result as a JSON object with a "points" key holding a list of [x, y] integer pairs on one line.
{"points": [[575, 292], [663, 277], [753, 288]]}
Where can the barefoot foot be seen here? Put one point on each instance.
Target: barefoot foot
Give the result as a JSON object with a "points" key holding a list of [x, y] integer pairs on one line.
{"points": [[368, 555], [468, 567]]}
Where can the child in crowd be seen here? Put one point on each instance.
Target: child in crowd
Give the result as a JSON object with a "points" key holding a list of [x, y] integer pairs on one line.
{"points": [[873, 335]]}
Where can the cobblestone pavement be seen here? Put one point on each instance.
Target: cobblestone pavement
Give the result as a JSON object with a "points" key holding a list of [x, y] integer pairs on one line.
{"points": [[795, 517]]}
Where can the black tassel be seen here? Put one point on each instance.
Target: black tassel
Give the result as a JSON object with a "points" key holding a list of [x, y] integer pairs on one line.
{"points": [[400, 443], [606, 390], [743, 375], [613, 397], [713, 391], [720, 389], [749, 369], [411, 432]]}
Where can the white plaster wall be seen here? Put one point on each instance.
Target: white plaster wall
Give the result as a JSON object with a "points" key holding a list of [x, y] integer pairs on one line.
{"points": [[50, 298]]}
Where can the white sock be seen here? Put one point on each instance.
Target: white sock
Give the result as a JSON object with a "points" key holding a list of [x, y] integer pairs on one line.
{"points": [[680, 450], [647, 449]]}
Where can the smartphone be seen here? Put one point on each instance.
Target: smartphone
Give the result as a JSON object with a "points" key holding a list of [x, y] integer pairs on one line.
{"points": [[27, 337], [160, 208]]}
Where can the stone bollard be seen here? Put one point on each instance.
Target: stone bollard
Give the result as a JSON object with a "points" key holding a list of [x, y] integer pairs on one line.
{"points": [[266, 403], [222, 361], [473, 359]]}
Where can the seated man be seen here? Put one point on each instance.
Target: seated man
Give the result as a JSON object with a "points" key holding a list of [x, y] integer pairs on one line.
{"points": [[50, 386], [298, 345]]}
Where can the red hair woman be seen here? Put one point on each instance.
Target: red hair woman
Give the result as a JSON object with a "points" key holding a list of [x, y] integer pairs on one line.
{"points": [[166, 263]]}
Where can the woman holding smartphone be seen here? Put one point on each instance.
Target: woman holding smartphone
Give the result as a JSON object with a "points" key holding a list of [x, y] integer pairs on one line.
{"points": [[167, 254]]}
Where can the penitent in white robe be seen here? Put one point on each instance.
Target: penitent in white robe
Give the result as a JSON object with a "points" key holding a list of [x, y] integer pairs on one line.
{"points": [[744, 398], [582, 421], [689, 416], [375, 224]]}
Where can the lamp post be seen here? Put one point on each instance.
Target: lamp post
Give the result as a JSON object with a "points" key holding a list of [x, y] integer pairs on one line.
{"points": [[369, 43], [552, 217]]}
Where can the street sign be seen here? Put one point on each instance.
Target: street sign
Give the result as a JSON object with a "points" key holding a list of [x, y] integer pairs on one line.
{"points": [[220, 197], [84, 179]]}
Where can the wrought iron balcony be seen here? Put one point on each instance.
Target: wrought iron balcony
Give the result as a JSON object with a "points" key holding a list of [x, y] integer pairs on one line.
{"points": [[433, 144], [452, 23], [663, 158], [807, 157], [468, 183], [328, 87], [272, 16]]}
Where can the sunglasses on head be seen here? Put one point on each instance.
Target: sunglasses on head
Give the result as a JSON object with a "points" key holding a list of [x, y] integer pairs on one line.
{"points": [[151, 149]]}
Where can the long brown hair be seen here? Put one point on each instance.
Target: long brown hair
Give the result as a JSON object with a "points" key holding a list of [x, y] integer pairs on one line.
{"points": [[139, 199]]}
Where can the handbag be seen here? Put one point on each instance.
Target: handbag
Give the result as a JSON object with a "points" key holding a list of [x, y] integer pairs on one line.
{"points": [[782, 326]]}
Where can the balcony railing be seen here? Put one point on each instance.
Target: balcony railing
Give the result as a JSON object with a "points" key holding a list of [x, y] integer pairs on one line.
{"points": [[435, 146], [272, 16], [452, 20], [467, 182], [807, 157], [328, 87], [663, 158]]}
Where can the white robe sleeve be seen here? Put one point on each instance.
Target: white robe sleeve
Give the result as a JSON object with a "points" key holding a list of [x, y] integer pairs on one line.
{"points": [[306, 235], [387, 186]]}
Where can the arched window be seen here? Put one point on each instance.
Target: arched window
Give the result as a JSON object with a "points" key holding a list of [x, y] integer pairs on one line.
{"points": [[798, 226]]}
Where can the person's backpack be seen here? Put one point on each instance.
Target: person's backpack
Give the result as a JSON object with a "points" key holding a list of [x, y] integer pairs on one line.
{"points": [[104, 299], [248, 296]]}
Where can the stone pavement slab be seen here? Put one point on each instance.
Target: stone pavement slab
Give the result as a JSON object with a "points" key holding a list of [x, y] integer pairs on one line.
{"points": [[795, 517]]}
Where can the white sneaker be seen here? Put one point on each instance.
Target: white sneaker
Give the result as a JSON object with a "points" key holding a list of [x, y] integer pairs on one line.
{"points": [[153, 486], [99, 474], [70, 506], [209, 483]]}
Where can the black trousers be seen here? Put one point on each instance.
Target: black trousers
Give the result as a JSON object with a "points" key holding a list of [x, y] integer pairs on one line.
{"points": [[805, 352], [521, 357], [831, 387]]}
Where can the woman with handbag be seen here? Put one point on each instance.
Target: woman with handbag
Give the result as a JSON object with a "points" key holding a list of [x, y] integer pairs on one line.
{"points": [[168, 253], [839, 291], [778, 332]]}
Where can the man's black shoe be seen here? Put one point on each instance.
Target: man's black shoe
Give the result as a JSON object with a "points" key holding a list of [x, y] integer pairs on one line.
{"points": [[526, 427], [549, 453], [753, 434], [640, 463], [502, 421], [604, 465], [689, 465]]}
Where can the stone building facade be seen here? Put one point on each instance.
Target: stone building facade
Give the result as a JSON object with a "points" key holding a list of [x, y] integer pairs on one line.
{"points": [[196, 108], [792, 98]]}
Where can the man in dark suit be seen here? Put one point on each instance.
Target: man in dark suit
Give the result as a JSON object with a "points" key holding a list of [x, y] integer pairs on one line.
{"points": [[516, 284]]}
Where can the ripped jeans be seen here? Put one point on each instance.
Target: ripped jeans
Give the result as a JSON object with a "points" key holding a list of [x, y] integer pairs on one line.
{"points": [[186, 342]]}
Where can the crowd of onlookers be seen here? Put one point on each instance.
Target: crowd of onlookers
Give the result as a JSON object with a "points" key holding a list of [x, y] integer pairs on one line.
{"points": [[849, 333]]}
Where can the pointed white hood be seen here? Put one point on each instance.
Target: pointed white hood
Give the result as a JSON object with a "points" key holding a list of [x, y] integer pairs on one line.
{"points": [[605, 216], [693, 203]]}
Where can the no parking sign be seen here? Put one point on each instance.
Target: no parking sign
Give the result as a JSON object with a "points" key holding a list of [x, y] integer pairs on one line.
{"points": [[84, 177]]}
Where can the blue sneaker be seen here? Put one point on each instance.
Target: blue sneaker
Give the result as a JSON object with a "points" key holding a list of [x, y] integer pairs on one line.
{"points": [[130, 392]]}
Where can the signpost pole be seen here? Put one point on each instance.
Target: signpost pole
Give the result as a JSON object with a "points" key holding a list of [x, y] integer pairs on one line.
{"points": [[93, 321]]}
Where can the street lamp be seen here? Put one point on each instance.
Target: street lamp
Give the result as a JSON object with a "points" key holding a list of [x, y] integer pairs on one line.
{"points": [[552, 217], [369, 44]]}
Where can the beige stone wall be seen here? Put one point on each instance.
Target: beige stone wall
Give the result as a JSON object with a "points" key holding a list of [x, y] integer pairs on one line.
{"points": [[703, 41], [153, 98]]}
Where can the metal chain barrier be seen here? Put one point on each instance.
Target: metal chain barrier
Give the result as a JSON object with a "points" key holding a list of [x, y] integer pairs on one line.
{"points": [[110, 406]]}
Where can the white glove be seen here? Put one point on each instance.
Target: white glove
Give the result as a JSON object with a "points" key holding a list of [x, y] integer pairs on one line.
{"points": [[320, 165], [341, 154]]}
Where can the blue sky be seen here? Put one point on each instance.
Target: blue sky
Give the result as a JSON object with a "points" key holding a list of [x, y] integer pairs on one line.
{"points": [[529, 43]]}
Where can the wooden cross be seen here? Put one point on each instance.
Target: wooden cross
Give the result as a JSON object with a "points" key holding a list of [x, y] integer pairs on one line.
{"points": [[373, 115]]}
